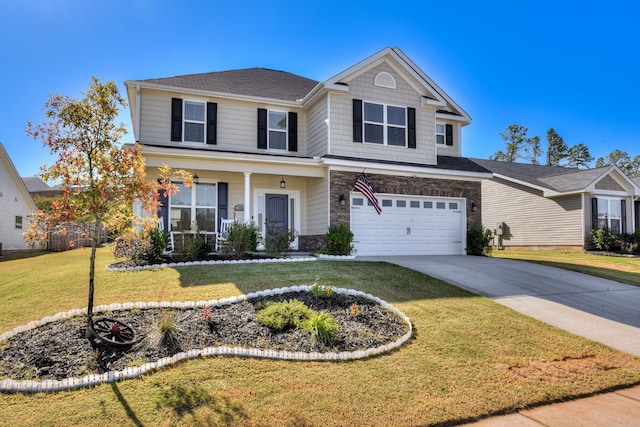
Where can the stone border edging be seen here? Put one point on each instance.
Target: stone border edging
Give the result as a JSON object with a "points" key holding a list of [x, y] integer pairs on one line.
{"points": [[191, 263], [9, 385], [336, 257]]}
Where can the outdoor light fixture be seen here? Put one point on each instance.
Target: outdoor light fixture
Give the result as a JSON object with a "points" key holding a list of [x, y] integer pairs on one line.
{"points": [[283, 184], [474, 207], [196, 178], [342, 200]]}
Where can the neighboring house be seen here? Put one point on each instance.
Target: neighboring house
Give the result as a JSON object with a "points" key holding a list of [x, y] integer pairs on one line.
{"points": [[38, 188], [556, 207], [285, 151], [15, 205]]}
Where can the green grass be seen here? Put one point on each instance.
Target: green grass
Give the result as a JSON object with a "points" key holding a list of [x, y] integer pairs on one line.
{"points": [[469, 358], [620, 269]]}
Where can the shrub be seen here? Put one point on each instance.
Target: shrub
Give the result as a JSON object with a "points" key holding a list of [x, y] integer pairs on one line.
{"points": [[241, 239], [192, 246], [134, 246], [604, 240], [284, 315], [479, 240], [278, 240], [322, 326], [159, 240], [339, 240]]}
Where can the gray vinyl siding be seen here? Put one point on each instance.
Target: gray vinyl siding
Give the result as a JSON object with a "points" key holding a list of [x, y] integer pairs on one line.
{"points": [[531, 220], [450, 150], [362, 87], [236, 123], [317, 206], [318, 129]]}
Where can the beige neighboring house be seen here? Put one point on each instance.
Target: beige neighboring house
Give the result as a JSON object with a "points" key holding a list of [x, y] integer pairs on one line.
{"points": [[15, 204], [556, 207], [285, 151]]}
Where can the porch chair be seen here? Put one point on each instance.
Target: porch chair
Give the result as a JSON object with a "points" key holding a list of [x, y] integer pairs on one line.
{"points": [[223, 232], [170, 245]]}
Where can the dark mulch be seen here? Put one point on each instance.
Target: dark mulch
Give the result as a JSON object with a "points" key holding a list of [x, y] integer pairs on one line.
{"points": [[59, 350], [214, 256]]}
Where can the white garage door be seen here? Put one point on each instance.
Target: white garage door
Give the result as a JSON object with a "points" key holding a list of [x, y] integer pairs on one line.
{"points": [[408, 225]]}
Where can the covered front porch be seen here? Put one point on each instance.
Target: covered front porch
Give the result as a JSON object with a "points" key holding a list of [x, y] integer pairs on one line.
{"points": [[268, 191]]}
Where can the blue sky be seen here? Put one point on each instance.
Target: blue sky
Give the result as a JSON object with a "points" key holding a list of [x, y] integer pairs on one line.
{"points": [[568, 65]]}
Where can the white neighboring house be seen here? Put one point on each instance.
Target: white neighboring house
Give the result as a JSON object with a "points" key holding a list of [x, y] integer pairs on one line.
{"points": [[15, 204]]}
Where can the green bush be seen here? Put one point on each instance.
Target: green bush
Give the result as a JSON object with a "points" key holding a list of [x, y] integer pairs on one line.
{"points": [[241, 239], [603, 239], [191, 246], [322, 326], [284, 315], [159, 240], [321, 291], [339, 240], [479, 240], [134, 246], [278, 240]]}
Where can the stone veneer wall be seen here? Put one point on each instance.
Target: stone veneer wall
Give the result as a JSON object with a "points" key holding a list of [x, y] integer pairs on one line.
{"points": [[312, 243], [342, 184]]}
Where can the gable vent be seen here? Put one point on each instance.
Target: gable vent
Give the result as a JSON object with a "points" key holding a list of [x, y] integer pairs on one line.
{"points": [[384, 79]]}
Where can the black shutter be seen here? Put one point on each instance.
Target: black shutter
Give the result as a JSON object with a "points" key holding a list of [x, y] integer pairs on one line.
{"points": [[293, 131], [163, 209], [212, 123], [223, 208], [176, 119], [448, 136], [594, 213], [357, 120], [623, 215], [262, 128], [411, 127]]}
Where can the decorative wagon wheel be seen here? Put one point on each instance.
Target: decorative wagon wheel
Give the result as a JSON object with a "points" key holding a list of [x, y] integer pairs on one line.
{"points": [[113, 331]]}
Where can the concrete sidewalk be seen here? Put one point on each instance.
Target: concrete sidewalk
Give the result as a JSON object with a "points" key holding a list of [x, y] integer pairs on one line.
{"points": [[601, 310]]}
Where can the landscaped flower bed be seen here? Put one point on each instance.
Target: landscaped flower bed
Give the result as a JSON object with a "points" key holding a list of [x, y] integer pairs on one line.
{"points": [[53, 354]]}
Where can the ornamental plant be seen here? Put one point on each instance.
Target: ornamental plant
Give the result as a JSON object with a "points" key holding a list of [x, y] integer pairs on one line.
{"points": [[339, 240], [100, 179]]}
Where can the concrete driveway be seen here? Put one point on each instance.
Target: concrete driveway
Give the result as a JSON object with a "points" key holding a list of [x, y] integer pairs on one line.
{"points": [[598, 309]]}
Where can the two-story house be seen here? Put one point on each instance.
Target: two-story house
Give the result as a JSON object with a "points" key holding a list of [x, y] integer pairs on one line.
{"points": [[284, 150]]}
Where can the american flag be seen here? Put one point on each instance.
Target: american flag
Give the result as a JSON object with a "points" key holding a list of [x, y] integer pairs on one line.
{"points": [[363, 186]]}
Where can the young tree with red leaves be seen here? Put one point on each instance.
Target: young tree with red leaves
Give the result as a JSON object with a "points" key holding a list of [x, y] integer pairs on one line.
{"points": [[100, 179]]}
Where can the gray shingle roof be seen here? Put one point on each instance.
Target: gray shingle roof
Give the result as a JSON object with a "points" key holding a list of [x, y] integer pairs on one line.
{"points": [[258, 82], [555, 178]]}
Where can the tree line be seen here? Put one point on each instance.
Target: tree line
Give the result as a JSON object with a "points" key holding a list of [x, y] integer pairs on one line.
{"points": [[520, 146]]}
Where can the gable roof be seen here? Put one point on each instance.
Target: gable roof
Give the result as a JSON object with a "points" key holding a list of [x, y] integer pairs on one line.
{"points": [[13, 173], [554, 180], [253, 82], [431, 92], [35, 184]]}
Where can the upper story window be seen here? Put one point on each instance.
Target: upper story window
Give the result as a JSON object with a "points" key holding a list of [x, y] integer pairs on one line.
{"points": [[385, 124], [277, 130], [444, 134], [194, 121], [18, 222]]}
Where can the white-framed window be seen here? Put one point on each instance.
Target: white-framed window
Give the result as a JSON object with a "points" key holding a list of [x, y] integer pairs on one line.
{"points": [[440, 133], [196, 205], [194, 121], [385, 124], [277, 130], [18, 221], [610, 214]]}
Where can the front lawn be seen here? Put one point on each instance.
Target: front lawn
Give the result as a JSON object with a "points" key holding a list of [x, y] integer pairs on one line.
{"points": [[470, 357]]}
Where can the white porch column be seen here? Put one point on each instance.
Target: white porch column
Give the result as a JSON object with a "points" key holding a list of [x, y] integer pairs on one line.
{"points": [[247, 197]]}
